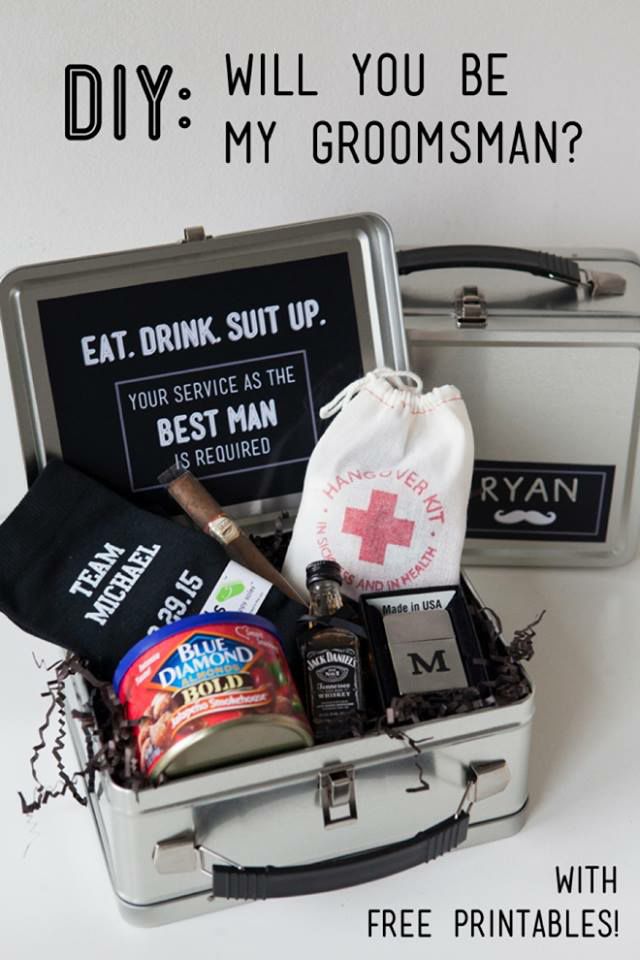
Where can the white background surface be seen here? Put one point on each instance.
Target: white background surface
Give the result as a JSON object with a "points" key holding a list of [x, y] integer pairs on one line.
{"points": [[569, 60]]}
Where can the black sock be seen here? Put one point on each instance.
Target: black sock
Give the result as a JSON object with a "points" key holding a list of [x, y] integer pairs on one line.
{"points": [[87, 570]]}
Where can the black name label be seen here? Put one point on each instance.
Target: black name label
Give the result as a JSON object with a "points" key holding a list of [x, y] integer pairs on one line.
{"points": [[540, 501], [222, 374]]}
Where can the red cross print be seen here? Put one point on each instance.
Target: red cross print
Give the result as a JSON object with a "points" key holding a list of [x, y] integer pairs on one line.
{"points": [[378, 526]]}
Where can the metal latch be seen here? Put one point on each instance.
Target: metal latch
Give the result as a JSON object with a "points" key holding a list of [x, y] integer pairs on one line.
{"points": [[470, 308], [338, 794], [486, 779]]}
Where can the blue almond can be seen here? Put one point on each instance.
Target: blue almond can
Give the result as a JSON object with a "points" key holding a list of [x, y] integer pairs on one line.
{"points": [[208, 691]]}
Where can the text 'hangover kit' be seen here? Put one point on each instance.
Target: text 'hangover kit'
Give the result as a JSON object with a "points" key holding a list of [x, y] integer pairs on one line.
{"points": [[245, 523]]}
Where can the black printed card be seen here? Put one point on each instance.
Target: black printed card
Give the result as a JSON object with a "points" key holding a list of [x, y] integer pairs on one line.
{"points": [[223, 374]]}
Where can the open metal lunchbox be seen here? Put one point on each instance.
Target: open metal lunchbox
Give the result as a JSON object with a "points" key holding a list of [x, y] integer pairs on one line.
{"points": [[545, 348], [91, 344]]}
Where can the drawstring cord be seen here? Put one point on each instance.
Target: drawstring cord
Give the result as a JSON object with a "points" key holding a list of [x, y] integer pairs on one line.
{"points": [[394, 377]]}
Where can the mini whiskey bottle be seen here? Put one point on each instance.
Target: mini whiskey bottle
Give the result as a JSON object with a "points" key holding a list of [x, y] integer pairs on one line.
{"points": [[331, 658]]}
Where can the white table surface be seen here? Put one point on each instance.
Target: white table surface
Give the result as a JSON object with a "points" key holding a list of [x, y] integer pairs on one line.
{"points": [[585, 789]]}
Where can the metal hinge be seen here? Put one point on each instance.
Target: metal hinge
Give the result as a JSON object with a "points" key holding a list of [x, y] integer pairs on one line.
{"points": [[338, 794], [194, 233], [470, 308]]}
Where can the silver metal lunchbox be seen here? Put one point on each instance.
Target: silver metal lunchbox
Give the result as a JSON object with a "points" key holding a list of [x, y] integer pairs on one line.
{"points": [[545, 350], [318, 818]]}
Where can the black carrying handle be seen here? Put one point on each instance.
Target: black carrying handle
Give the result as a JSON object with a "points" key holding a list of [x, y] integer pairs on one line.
{"points": [[267, 883], [499, 258]]}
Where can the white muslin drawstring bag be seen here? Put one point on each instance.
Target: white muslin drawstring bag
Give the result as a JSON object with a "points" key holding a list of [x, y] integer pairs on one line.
{"points": [[387, 486]]}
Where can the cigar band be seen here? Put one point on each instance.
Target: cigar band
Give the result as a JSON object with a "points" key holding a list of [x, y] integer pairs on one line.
{"points": [[223, 528]]}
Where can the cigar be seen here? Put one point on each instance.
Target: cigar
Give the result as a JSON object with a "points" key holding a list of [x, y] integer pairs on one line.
{"points": [[206, 513]]}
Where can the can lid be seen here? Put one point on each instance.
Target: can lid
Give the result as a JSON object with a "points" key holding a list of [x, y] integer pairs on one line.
{"points": [[233, 741], [324, 570], [189, 623]]}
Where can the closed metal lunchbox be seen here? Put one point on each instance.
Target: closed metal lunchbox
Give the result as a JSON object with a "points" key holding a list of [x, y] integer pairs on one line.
{"points": [[97, 347], [545, 350]]}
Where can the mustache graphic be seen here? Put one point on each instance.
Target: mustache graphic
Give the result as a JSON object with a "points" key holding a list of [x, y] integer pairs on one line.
{"points": [[534, 517]]}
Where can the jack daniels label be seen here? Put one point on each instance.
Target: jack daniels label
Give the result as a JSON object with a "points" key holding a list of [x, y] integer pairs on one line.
{"points": [[333, 678], [540, 501]]}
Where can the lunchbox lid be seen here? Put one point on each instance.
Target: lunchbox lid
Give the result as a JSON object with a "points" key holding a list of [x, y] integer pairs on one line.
{"points": [[214, 353]]}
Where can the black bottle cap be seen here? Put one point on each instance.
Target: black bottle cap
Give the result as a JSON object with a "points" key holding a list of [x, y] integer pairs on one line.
{"points": [[324, 570]]}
